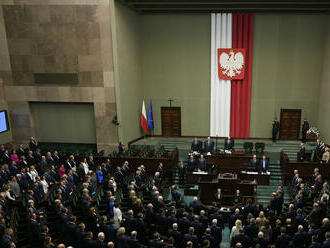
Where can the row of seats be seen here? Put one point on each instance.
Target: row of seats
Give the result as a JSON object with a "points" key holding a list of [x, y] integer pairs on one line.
{"points": [[259, 147]]}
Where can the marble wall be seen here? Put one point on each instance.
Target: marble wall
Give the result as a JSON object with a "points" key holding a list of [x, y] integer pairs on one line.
{"points": [[57, 36]]}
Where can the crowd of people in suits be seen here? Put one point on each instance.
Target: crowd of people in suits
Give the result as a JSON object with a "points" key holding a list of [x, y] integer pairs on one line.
{"points": [[148, 220]]}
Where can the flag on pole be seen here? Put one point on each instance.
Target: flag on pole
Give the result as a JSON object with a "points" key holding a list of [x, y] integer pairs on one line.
{"points": [[144, 124], [150, 117]]}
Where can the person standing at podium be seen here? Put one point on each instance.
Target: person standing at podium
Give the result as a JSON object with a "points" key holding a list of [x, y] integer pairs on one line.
{"points": [[254, 163], [264, 164], [202, 163], [208, 145], [229, 144], [191, 163], [196, 145]]}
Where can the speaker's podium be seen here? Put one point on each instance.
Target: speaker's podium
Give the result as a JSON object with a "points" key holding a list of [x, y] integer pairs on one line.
{"points": [[229, 183]]}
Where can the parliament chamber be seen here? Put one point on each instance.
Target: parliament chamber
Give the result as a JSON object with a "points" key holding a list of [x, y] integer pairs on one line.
{"points": [[164, 124]]}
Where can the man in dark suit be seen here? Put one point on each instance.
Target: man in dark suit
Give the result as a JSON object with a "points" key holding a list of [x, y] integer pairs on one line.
{"points": [[216, 232], [252, 229], [20, 151], [275, 129], [326, 242], [263, 164], [229, 144], [156, 242], [132, 241], [254, 163], [304, 129], [191, 163], [299, 238], [196, 145], [208, 145], [56, 158], [202, 163], [241, 238], [176, 235], [302, 152], [190, 236], [283, 239]]}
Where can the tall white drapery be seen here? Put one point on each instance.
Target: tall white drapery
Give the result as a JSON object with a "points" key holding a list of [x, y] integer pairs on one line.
{"points": [[221, 37]]}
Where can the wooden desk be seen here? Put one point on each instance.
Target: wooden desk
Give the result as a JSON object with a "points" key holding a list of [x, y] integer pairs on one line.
{"points": [[228, 187], [224, 163], [151, 164], [234, 162], [262, 179], [305, 169]]}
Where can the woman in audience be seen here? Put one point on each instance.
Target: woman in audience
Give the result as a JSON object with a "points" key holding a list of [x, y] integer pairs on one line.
{"points": [[62, 170], [326, 156], [14, 157], [236, 229]]}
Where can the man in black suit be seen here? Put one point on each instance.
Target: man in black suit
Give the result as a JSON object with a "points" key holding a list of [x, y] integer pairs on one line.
{"points": [[302, 152], [263, 164], [229, 144], [254, 163], [20, 151], [275, 129], [216, 232], [132, 241], [304, 129], [176, 235], [299, 238], [208, 145], [156, 242], [196, 145], [190, 236], [56, 158], [283, 239], [252, 229], [191, 163], [241, 238]]}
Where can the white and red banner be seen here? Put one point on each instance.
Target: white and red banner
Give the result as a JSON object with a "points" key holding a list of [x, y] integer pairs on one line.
{"points": [[144, 123], [231, 63], [231, 74]]}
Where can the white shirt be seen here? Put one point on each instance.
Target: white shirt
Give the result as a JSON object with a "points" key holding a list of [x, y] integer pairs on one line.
{"points": [[117, 216], [85, 165], [44, 186]]}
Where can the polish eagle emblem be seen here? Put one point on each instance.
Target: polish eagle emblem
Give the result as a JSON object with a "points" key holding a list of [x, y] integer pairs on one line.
{"points": [[231, 63]]}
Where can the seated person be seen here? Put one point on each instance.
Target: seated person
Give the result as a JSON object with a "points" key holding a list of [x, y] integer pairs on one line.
{"points": [[196, 145], [263, 164], [302, 152], [202, 163], [229, 144], [254, 163], [208, 145], [191, 163]]}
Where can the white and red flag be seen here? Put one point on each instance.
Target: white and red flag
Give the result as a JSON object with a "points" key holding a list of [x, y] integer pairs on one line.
{"points": [[144, 123]]}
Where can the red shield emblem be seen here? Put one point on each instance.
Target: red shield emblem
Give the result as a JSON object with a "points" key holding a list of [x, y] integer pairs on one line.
{"points": [[231, 63]]}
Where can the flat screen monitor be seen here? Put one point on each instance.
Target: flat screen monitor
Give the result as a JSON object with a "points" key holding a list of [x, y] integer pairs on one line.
{"points": [[3, 121]]}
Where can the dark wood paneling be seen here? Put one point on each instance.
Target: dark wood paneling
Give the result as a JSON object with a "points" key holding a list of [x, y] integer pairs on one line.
{"points": [[171, 121], [290, 124]]}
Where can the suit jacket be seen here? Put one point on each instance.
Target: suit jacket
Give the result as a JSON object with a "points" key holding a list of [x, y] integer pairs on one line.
{"points": [[254, 164], [282, 240], [208, 146], [302, 153], [299, 239], [229, 144], [261, 165], [190, 237], [177, 236], [196, 146]]}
